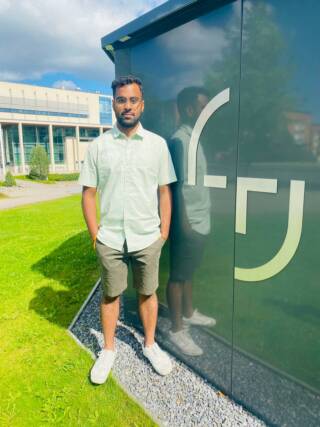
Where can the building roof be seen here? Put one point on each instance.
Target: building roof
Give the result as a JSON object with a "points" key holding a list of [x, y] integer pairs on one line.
{"points": [[157, 21], [91, 92]]}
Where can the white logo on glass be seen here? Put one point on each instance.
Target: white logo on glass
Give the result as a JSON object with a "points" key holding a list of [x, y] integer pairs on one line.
{"points": [[244, 185]]}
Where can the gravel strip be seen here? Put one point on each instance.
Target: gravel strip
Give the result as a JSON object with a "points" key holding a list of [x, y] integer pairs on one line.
{"points": [[179, 399]]}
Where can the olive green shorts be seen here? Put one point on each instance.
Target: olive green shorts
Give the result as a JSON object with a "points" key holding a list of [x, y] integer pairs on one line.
{"points": [[115, 264]]}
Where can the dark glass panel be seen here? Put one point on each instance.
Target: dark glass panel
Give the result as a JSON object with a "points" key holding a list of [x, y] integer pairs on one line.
{"points": [[277, 307], [200, 272]]}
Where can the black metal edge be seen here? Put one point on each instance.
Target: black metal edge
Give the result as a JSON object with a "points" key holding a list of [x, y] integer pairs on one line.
{"points": [[159, 20]]}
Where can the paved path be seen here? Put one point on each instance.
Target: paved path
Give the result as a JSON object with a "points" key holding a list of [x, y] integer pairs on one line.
{"points": [[27, 192]]}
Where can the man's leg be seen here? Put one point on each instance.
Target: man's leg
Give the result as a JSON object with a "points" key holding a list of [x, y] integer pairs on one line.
{"points": [[191, 316], [178, 303], [145, 269], [174, 297], [114, 270], [187, 299], [109, 312], [148, 309], [145, 266], [179, 295]]}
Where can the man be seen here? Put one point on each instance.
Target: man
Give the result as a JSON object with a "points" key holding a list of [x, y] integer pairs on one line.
{"points": [[128, 166], [190, 225]]}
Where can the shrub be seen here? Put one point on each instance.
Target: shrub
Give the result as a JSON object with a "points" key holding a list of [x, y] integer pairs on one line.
{"points": [[9, 180], [39, 163], [63, 176]]}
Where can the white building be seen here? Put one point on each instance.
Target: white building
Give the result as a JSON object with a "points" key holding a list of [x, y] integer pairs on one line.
{"points": [[62, 121]]}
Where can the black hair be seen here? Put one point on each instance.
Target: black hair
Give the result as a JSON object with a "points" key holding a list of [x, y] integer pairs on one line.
{"points": [[126, 80], [188, 97]]}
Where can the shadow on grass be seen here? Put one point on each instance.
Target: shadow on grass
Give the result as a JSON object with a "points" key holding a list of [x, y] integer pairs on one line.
{"points": [[73, 264]]}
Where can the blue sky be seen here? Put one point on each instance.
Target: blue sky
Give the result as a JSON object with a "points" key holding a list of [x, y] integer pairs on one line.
{"points": [[57, 43]]}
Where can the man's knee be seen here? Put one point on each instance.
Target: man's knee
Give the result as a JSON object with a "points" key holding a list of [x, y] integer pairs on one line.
{"points": [[147, 297], [105, 299]]}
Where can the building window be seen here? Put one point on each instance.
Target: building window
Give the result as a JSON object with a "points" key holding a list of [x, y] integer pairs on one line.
{"points": [[59, 134], [42, 112], [33, 135], [43, 107], [11, 145], [105, 108], [87, 134]]}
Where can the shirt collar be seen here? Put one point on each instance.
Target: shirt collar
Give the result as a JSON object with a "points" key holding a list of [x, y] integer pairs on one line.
{"points": [[187, 128], [139, 134]]}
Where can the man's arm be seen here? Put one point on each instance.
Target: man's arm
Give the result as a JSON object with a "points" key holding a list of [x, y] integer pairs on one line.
{"points": [[165, 203], [178, 155], [89, 210]]}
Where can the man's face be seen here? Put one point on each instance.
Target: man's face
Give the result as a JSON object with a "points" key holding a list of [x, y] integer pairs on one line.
{"points": [[202, 101], [193, 111], [198, 106], [128, 105]]}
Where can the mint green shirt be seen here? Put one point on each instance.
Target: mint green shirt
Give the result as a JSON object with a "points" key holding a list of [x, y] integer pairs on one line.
{"points": [[127, 173], [195, 198]]}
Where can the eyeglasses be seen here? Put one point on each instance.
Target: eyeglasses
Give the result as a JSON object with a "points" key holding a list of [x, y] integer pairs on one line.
{"points": [[121, 100]]}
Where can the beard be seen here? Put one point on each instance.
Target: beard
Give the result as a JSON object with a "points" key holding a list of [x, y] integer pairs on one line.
{"points": [[128, 123]]}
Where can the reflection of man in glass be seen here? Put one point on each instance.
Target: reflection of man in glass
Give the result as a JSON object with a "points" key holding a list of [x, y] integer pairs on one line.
{"points": [[190, 225]]}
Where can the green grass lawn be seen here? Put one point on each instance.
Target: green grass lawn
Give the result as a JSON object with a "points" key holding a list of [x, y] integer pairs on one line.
{"points": [[47, 269]]}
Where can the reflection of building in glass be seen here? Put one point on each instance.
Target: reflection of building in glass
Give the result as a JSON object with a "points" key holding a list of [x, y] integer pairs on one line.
{"points": [[299, 125], [304, 132], [61, 121]]}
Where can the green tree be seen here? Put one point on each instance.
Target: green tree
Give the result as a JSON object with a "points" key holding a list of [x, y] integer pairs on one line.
{"points": [[265, 92], [39, 163]]}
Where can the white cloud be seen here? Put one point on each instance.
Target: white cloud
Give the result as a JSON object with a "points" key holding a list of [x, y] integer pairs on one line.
{"points": [[41, 36], [191, 51], [192, 47], [10, 75], [65, 84]]}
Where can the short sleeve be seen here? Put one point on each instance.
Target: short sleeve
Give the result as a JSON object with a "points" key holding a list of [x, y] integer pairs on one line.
{"points": [[166, 170], [88, 174]]}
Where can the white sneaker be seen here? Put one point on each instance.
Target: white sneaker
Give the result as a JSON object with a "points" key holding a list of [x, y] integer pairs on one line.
{"points": [[184, 342], [158, 358], [199, 319], [100, 370]]}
